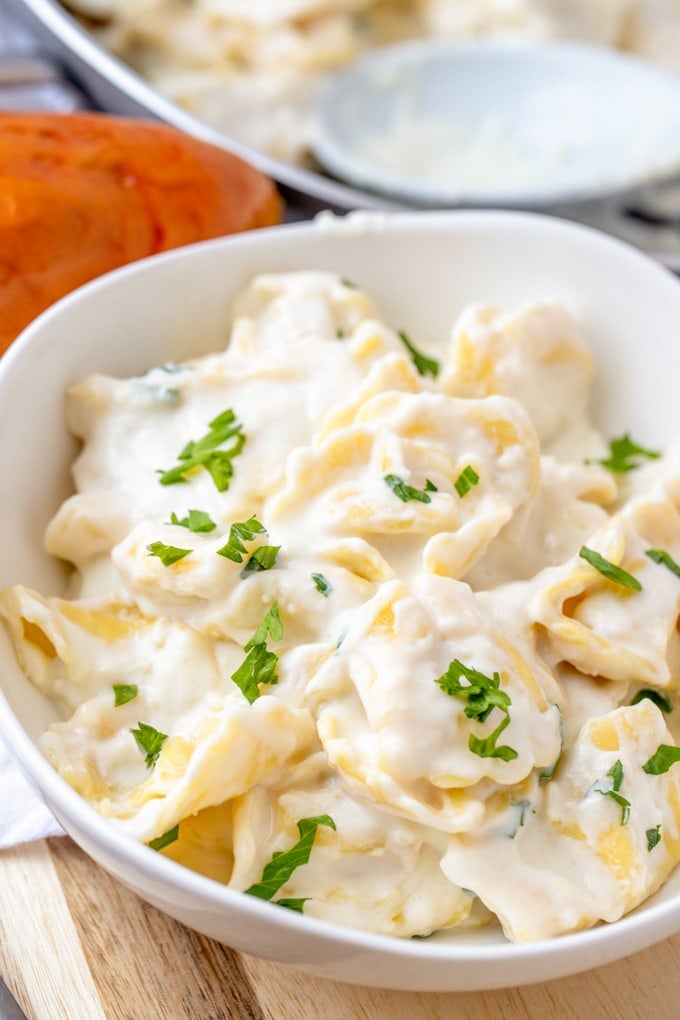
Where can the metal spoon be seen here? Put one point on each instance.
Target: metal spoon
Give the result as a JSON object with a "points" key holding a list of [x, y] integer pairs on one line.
{"points": [[436, 123]]}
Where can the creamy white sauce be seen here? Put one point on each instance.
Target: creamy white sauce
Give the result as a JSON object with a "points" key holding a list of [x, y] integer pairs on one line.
{"points": [[396, 590]]}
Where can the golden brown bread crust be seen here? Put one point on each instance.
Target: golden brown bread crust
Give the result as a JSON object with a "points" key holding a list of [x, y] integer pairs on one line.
{"points": [[81, 194]]}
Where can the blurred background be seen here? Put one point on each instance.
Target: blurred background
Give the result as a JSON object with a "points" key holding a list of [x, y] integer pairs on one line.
{"points": [[248, 74]]}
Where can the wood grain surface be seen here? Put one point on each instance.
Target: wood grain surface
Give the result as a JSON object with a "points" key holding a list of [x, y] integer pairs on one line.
{"points": [[76, 945]]}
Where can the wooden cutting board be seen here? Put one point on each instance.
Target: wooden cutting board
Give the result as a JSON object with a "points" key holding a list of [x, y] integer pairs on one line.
{"points": [[76, 945]]}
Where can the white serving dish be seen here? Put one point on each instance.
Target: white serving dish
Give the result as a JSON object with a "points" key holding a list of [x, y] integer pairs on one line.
{"points": [[421, 269]]}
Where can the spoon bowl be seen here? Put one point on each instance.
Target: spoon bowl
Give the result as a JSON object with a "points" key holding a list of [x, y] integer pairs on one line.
{"points": [[499, 124]]}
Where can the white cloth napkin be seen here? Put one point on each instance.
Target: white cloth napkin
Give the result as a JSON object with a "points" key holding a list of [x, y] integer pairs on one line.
{"points": [[23, 815]]}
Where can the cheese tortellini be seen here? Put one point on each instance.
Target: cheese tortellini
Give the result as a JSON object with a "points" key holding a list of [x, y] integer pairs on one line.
{"points": [[369, 625]]}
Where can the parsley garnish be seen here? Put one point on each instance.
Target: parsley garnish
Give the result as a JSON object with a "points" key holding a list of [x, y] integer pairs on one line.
{"points": [[263, 558], [609, 570], [430, 486], [482, 694], [122, 693], [466, 480], [665, 558], [167, 554], [348, 283], [524, 807], [404, 491], [171, 836], [259, 665], [486, 747], [196, 520], [610, 788], [242, 531], [625, 455], [322, 584], [284, 862], [149, 741], [423, 364], [659, 699], [653, 837], [204, 453], [662, 759]]}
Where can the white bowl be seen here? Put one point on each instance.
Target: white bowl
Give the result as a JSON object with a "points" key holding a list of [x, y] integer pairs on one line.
{"points": [[421, 269]]}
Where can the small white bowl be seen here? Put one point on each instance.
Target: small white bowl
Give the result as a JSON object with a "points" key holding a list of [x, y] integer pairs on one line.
{"points": [[421, 269]]}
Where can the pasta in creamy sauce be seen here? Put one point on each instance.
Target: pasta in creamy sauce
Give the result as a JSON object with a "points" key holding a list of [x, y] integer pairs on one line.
{"points": [[385, 634], [253, 68]]}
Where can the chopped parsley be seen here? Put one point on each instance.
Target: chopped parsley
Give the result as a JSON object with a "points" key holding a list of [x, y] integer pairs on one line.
{"points": [[122, 693], [242, 531], [263, 558], [430, 486], [610, 787], [349, 283], [466, 480], [196, 521], [524, 806], [626, 455], [171, 836], [283, 863], [660, 700], [653, 837], [487, 747], [167, 554], [149, 741], [259, 665], [662, 759], [204, 453], [482, 694], [664, 558], [406, 492], [423, 364], [322, 584], [609, 570]]}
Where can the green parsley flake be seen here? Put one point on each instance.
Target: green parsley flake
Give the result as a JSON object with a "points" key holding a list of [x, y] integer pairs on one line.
{"points": [[406, 492], [283, 863], [610, 787], [524, 806], [663, 703], [653, 837], [204, 453], [259, 665], [197, 521], [466, 480], [486, 747], [122, 693], [430, 486], [171, 836], [665, 559], [349, 284], [167, 554], [322, 584], [263, 558], [662, 759], [481, 692], [242, 531], [149, 741], [625, 455], [609, 570], [423, 364]]}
